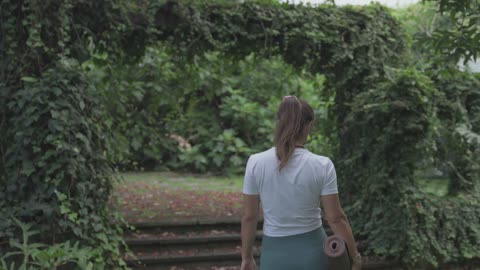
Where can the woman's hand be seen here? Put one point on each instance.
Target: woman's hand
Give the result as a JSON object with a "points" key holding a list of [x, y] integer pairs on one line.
{"points": [[356, 265], [248, 264], [357, 262]]}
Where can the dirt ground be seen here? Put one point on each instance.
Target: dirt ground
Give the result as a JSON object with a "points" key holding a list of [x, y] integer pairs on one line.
{"points": [[149, 202]]}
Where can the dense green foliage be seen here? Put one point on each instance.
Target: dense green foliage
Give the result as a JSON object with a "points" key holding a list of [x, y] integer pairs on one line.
{"points": [[458, 133], [460, 40], [395, 113], [208, 115], [41, 256], [456, 137], [195, 87], [53, 171], [380, 152], [350, 46], [420, 22], [59, 147]]}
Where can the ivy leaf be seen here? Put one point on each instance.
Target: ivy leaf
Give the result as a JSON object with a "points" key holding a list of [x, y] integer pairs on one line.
{"points": [[136, 144], [64, 209], [73, 216], [29, 79], [28, 168], [84, 139], [138, 95]]}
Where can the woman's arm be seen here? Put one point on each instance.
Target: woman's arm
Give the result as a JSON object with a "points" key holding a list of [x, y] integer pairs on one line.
{"points": [[249, 228], [338, 222]]}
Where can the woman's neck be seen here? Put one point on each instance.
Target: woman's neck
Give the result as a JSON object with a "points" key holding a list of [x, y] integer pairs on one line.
{"points": [[300, 143]]}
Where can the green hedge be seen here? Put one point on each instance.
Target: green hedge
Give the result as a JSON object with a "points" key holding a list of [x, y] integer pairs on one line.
{"points": [[54, 174], [56, 169], [457, 129], [223, 109]]}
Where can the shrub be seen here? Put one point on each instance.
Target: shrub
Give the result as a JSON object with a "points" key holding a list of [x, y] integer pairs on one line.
{"points": [[222, 108], [457, 131], [37, 256], [57, 175]]}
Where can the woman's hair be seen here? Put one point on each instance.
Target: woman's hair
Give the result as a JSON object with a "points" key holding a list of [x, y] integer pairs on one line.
{"points": [[293, 116]]}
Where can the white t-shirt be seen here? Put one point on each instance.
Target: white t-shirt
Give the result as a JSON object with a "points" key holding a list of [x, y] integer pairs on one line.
{"points": [[290, 198]]}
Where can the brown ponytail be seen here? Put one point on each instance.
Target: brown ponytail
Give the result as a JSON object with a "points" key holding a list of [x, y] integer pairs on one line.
{"points": [[293, 116]]}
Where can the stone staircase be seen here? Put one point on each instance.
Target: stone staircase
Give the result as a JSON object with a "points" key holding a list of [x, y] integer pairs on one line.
{"points": [[197, 244]]}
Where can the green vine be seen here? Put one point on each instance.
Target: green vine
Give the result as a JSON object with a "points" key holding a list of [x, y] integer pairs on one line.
{"points": [[54, 171]]}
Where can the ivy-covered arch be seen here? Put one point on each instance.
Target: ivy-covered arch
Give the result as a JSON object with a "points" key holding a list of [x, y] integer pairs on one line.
{"points": [[380, 112], [384, 114], [352, 46]]}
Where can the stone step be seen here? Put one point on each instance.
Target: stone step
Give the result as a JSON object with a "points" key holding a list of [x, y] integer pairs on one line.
{"points": [[196, 244], [182, 240], [223, 259]]}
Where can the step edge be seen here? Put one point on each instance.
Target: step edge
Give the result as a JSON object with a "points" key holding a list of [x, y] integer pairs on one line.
{"points": [[183, 239], [230, 255], [192, 222], [185, 259]]}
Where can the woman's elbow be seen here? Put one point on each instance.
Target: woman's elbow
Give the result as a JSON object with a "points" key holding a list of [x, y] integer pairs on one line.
{"points": [[339, 218]]}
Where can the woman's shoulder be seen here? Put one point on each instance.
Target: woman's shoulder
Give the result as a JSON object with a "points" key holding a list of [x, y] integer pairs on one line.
{"points": [[266, 157], [323, 160], [269, 153]]}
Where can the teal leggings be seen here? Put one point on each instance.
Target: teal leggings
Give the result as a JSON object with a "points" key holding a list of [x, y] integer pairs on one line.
{"points": [[296, 252]]}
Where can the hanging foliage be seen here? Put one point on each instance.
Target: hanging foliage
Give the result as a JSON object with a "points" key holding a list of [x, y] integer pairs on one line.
{"points": [[54, 171]]}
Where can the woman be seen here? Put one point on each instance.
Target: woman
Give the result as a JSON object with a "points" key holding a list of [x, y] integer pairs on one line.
{"points": [[290, 181]]}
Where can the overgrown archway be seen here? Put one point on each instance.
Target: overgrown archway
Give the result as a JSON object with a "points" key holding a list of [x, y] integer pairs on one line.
{"points": [[382, 113]]}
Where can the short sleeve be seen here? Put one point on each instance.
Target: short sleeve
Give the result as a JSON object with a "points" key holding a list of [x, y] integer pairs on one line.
{"points": [[250, 186], [330, 180]]}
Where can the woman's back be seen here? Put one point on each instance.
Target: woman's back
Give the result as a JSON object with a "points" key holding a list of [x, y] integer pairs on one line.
{"points": [[291, 197], [289, 182]]}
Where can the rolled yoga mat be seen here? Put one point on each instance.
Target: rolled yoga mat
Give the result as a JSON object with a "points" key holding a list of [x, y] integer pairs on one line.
{"points": [[337, 253]]}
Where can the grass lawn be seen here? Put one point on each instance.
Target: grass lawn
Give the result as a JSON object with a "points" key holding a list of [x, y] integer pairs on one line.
{"points": [[157, 196], [186, 182], [434, 186]]}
